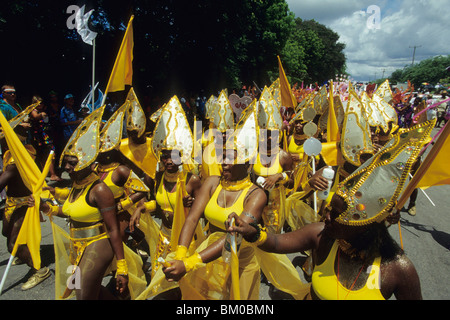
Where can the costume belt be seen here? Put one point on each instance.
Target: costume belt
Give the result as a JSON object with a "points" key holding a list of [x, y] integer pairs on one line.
{"points": [[14, 203], [87, 232]]}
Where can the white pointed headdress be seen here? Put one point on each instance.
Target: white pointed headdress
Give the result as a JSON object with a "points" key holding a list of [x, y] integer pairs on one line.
{"points": [[268, 112], [373, 189], [356, 138], [245, 138], [172, 131], [135, 114], [85, 140], [221, 113], [111, 133]]}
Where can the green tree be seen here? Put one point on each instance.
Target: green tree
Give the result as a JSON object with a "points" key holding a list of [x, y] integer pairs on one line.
{"points": [[431, 70], [312, 53]]}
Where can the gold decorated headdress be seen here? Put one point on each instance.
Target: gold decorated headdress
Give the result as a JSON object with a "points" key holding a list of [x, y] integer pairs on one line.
{"points": [[22, 116], [111, 133], [373, 189], [268, 112], [155, 115], [379, 113], [356, 138], [321, 100], [384, 91], [209, 107], [172, 131], [245, 138], [221, 113], [135, 114], [85, 140], [275, 91]]}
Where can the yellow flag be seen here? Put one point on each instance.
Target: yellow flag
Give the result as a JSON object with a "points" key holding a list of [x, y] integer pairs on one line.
{"points": [[30, 232], [434, 171], [287, 98], [332, 124], [122, 73]]}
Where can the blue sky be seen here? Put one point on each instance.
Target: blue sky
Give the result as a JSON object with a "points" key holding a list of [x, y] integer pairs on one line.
{"points": [[372, 52]]}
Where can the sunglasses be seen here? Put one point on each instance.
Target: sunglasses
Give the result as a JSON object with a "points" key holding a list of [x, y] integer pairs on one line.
{"points": [[9, 92]]}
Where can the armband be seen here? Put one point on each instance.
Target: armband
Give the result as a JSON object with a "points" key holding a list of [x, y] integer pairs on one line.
{"points": [[192, 262], [180, 253], [126, 204], [122, 267], [285, 178], [52, 211], [261, 235], [150, 206]]}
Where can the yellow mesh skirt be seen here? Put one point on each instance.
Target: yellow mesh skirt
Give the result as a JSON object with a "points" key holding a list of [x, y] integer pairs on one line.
{"points": [[212, 281], [68, 252]]}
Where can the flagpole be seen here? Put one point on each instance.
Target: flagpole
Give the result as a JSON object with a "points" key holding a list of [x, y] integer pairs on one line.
{"points": [[11, 258], [93, 74]]}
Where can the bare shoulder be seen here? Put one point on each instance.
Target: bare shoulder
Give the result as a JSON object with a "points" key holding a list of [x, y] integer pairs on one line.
{"points": [[401, 279]]}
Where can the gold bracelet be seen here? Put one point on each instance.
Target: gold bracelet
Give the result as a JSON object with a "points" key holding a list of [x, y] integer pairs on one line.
{"points": [[122, 267], [192, 262], [53, 210], [285, 178], [180, 253], [126, 203], [150, 206], [262, 237]]}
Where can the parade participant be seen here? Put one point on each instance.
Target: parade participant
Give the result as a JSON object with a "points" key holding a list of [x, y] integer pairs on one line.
{"points": [[95, 240], [221, 119], [355, 257], [137, 146], [16, 207], [205, 274], [272, 163], [174, 191], [43, 141], [233, 191], [126, 186]]}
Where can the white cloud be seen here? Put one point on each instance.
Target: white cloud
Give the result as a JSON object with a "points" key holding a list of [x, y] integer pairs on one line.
{"points": [[403, 24]]}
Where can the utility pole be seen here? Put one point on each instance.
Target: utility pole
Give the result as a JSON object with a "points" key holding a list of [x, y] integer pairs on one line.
{"points": [[414, 53]]}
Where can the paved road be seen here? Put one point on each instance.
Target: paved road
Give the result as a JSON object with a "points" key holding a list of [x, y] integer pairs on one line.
{"points": [[426, 240]]}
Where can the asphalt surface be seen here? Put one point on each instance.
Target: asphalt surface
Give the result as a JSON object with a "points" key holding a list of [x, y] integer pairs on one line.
{"points": [[425, 237]]}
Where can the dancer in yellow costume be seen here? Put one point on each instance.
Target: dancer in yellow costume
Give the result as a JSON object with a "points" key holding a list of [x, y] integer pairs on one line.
{"points": [[16, 205], [137, 147], [221, 119], [95, 245], [126, 186], [174, 189], [204, 274], [354, 255], [273, 165]]}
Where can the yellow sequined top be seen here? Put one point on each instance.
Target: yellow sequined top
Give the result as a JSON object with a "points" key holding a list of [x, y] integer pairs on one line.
{"points": [[79, 210], [166, 200], [295, 149], [326, 286], [217, 215], [106, 177], [274, 168]]}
